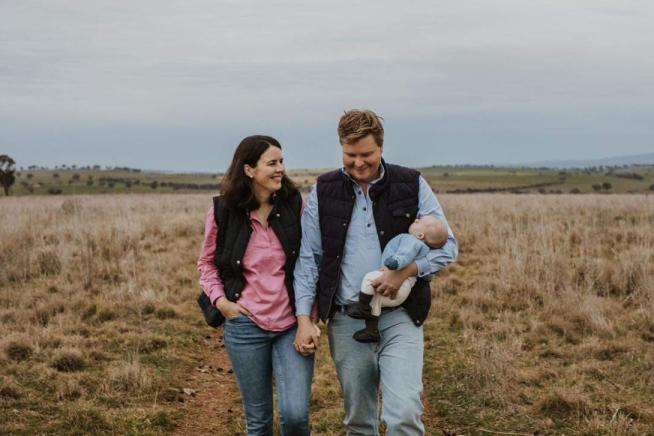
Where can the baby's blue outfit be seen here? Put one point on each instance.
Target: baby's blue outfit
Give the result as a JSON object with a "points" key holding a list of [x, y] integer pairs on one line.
{"points": [[402, 250]]}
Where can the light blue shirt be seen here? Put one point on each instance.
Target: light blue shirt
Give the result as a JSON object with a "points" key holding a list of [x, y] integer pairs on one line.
{"points": [[362, 252]]}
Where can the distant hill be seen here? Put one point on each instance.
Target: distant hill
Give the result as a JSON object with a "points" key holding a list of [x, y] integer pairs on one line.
{"points": [[636, 159]]}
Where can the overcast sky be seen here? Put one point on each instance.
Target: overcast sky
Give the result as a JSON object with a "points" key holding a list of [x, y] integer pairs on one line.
{"points": [[176, 84]]}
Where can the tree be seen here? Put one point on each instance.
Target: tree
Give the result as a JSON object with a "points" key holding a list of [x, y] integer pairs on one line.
{"points": [[7, 170]]}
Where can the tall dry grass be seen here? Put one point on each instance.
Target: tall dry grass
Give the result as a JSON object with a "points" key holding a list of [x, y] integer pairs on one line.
{"points": [[554, 300], [96, 319], [545, 323]]}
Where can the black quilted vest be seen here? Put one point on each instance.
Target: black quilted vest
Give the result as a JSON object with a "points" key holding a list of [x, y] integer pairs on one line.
{"points": [[395, 205], [233, 236]]}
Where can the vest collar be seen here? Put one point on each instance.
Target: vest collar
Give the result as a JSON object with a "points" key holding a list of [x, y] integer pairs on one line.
{"points": [[274, 212]]}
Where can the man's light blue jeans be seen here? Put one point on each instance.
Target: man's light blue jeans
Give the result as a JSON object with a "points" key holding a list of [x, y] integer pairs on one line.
{"points": [[257, 355], [394, 365]]}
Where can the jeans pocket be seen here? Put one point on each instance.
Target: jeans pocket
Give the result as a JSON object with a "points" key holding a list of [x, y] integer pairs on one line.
{"points": [[237, 318]]}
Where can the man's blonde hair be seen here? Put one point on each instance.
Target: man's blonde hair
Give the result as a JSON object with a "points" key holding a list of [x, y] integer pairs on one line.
{"points": [[356, 124]]}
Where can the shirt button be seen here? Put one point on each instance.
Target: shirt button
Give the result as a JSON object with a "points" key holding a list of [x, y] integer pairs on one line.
{"points": [[238, 262], [408, 215], [369, 224], [293, 252], [237, 295], [381, 232], [365, 208], [277, 215], [344, 224]]}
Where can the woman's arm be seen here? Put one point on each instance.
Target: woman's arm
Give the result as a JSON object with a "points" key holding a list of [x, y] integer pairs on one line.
{"points": [[210, 281]]}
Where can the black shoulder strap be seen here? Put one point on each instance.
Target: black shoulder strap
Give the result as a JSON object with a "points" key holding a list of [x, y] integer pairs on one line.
{"points": [[219, 211], [220, 216]]}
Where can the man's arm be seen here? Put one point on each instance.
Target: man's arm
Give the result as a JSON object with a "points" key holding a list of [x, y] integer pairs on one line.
{"points": [[306, 267], [306, 276], [437, 258]]}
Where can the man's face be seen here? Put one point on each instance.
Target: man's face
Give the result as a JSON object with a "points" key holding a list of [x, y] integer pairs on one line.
{"points": [[362, 159]]}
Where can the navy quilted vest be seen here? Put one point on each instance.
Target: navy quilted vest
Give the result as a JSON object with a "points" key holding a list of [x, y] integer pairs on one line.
{"points": [[395, 205]]}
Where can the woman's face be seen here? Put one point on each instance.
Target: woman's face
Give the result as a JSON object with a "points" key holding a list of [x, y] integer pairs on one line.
{"points": [[267, 174]]}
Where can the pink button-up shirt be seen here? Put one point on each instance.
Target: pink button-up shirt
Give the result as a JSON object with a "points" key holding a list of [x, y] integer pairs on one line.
{"points": [[265, 295]]}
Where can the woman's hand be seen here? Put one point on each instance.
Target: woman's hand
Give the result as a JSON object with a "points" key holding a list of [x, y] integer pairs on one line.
{"points": [[229, 309], [307, 337]]}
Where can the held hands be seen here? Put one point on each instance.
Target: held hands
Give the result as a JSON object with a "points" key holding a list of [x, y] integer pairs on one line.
{"points": [[230, 310], [389, 282], [307, 337]]}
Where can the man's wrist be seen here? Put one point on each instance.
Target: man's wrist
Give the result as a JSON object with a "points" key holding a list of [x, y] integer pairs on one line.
{"points": [[423, 266], [303, 308], [303, 320], [410, 270]]}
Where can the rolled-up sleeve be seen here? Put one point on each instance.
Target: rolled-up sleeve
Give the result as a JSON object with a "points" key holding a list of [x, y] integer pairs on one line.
{"points": [[437, 258], [306, 266], [210, 281]]}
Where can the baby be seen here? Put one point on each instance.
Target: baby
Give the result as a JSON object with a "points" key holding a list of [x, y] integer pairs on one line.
{"points": [[424, 234]]}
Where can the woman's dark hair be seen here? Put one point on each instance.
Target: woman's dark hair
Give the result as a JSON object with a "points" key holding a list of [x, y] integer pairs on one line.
{"points": [[237, 187]]}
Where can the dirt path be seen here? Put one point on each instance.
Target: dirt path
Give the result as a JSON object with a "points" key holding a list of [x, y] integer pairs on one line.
{"points": [[215, 405]]}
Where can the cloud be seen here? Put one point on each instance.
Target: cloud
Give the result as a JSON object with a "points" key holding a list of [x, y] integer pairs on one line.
{"points": [[151, 72]]}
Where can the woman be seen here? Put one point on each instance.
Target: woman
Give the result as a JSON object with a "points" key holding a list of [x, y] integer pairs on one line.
{"points": [[252, 239]]}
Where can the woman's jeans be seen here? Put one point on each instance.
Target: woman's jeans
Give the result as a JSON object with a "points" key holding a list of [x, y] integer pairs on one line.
{"points": [[257, 355]]}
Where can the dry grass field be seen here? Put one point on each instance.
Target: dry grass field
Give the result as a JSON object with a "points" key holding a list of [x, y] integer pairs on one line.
{"points": [[545, 325]]}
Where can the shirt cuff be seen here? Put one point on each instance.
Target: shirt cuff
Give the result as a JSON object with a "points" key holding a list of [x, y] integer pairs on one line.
{"points": [[303, 308], [215, 294], [423, 266]]}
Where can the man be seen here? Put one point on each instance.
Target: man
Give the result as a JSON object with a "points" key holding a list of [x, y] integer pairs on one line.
{"points": [[349, 217]]}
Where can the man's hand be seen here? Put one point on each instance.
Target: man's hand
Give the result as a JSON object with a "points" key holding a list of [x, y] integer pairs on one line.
{"points": [[307, 337], [389, 282], [230, 310]]}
